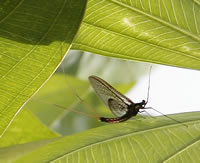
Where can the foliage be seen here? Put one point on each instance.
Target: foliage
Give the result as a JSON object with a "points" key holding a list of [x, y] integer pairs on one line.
{"points": [[163, 32], [144, 140], [35, 35]]}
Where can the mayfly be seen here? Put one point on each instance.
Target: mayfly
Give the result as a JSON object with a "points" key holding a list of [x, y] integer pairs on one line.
{"points": [[121, 106]]}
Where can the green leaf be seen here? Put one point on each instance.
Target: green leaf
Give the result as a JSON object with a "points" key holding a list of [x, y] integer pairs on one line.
{"points": [[143, 140], [25, 128], [163, 32], [34, 38], [9, 154]]}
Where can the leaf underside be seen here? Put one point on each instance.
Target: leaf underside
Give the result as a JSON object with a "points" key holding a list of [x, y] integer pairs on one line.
{"points": [[143, 140], [35, 36], [163, 32]]}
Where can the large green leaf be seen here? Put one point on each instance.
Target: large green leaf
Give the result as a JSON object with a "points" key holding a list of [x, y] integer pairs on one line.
{"points": [[34, 38], [163, 32], [11, 153], [143, 140], [25, 128]]}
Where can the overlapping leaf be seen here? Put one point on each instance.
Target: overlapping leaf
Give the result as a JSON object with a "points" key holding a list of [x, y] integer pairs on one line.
{"points": [[34, 38], [158, 31], [143, 140], [24, 129]]}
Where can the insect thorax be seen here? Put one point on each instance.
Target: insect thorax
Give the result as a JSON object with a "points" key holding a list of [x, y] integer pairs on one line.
{"points": [[133, 109]]}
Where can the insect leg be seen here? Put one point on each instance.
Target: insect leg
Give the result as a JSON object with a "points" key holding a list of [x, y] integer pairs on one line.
{"points": [[146, 113], [166, 116]]}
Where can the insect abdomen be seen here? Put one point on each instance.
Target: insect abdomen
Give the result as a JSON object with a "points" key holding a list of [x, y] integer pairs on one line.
{"points": [[113, 120]]}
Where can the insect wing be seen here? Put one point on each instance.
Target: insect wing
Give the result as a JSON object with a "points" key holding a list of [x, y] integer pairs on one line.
{"points": [[117, 108], [117, 102]]}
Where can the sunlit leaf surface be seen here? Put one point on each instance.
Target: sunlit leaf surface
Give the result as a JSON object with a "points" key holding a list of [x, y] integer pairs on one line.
{"points": [[25, 128], [144, 140], [158, 31], [35, 35]]}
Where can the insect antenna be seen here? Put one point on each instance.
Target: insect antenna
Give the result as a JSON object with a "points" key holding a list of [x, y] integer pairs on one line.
{"points": [[149, 83], [148, 93], [80, 99]]}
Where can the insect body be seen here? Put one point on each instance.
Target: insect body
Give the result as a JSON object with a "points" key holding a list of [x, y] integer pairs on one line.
{"points": [[120, 105]]}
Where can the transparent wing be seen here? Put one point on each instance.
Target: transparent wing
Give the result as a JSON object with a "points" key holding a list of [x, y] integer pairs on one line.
{"points": [[117, 108], [113, 99]]}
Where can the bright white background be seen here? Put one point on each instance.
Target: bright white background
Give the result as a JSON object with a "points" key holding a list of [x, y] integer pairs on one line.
{"points": [[173, 90]]}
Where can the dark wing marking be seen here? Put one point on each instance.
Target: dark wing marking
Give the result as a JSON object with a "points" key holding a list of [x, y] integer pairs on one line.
{"points": [[117, 102], [117, 108]]}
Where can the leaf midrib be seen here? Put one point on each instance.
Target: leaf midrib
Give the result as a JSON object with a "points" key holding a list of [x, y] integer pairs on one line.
{"points": [[128, 134], [157, 19], [182, 150], [130, 57], [141, 41]]}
